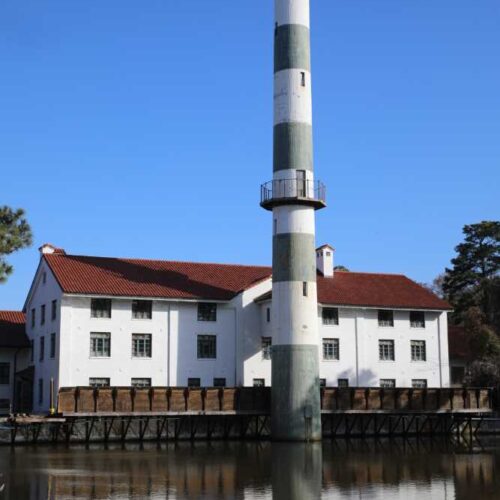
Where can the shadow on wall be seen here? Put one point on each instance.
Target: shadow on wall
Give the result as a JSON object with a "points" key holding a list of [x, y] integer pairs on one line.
{"points": [[366, 377]]}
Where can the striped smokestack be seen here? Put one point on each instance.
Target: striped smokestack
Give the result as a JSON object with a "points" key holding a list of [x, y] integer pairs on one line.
{"points": [[293, 196]]}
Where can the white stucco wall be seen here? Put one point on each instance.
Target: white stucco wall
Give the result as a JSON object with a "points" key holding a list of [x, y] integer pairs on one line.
{"points": [[44, 293]]}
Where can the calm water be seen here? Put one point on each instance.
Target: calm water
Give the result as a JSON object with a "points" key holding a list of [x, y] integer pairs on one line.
{"points": [[370, 469]]}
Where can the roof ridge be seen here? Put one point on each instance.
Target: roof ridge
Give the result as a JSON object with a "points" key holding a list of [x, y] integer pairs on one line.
{"points": [[371, 273], [158, 260]]}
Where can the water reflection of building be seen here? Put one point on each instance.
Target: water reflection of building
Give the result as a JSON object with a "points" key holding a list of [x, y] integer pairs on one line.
{"points": [[250, 470]]}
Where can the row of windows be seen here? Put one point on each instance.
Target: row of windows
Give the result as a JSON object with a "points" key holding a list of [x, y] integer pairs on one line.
{"points": [[143, 309], [387, 383], [146, 382], [331, 349], [257, 382], [100, 345], [330, 316], [41, 350], [53, 314]]}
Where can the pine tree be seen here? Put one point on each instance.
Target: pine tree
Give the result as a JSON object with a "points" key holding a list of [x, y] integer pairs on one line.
{"points": [[15, 233], [475, 271]]}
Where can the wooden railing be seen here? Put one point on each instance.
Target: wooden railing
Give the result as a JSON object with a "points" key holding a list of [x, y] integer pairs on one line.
{"points": [[77, 400]]}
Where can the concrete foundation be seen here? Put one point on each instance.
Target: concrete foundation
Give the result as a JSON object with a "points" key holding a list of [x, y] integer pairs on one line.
{"points": [[295, 394]]}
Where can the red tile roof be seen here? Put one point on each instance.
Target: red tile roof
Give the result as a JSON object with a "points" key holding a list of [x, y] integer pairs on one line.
{"points": [[13, 329], [189, 280], [152, 278], [376, 290], [373, 290], [458, 343]]}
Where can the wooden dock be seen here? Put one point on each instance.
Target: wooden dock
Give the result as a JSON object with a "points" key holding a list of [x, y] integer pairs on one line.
{"points": [[85, 414]]}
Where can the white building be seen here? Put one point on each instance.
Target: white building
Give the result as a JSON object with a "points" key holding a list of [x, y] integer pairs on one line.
{"points": [[122, 322]]}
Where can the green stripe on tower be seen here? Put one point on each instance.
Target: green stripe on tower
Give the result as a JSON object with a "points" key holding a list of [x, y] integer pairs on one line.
{"points": [[293, 147], [292, 47], [292, 257]]}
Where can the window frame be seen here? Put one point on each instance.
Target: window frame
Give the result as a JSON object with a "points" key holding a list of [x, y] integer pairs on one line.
{"points": [[207, 311], [41, 354], [142, 339], [330, 321], [385, 323], [391, 383], [417, 348], [103, 336], [335, 349], [216, 382], [419, 383], [141, 382], [417, 323], [266, 344], [201, 351], [99, 385], [193, 385], [40, 391], [258, 382], [52, 346], [5, 375], [391, 346], [144, 314], [94, 309]]}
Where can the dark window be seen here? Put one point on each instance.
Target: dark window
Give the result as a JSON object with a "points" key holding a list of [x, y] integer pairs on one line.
{"points": [[418, 350], [304, 288], [207, 346], [54, 310], [4, 373], [331, 349], [100, 308], [99, 382], [52, 345], [42, 348], [343, 382], [40, 391], [330, 315], [194, 382], [385, 318], [100, 345], [33, 318], [268, 314], [219, 382], [44, 278], [417, 319], [303, 78], [457, 375], [386, 350], [32, 355], [387, 383], [419, 383], [207, 311], [142, 309], [322, 382], [141, 382], [42, 314], [266, 342], [259, 382], [141, 345]]}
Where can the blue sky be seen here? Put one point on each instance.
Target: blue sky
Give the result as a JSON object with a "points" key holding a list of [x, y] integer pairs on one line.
{"points": [[144, 129]]}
